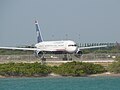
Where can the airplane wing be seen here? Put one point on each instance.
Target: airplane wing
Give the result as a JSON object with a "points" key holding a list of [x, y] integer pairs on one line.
{"points": [[16, 48], [81, 48]]}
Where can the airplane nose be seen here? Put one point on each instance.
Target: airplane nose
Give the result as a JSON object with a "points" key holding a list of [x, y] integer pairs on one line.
{"points": [[73, 49]]}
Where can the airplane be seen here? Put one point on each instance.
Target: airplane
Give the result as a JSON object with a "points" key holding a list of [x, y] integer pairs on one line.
{"points": [[56, 47]]}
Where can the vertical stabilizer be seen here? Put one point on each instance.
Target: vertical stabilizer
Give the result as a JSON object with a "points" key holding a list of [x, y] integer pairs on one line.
{"points": [[39, 36]]}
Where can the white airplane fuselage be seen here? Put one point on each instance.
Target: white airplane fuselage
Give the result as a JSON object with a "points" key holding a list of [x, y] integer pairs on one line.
{"points": [[57, 46]]}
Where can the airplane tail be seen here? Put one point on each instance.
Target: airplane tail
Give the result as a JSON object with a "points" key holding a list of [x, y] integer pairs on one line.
{"points": [[39, 36]]}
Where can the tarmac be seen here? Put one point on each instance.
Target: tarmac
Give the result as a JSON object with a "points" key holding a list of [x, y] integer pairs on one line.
{"points": [[57, 59]]}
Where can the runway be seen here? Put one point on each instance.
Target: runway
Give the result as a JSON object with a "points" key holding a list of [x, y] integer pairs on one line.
{"points": [[57, 60]]}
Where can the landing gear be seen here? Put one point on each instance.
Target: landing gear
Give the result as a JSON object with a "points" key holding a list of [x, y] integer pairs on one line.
{"points": [[43, 59], [67, 57]]}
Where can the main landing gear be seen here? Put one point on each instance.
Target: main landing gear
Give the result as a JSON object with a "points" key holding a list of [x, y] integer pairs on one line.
{"points": [[67, 57]]}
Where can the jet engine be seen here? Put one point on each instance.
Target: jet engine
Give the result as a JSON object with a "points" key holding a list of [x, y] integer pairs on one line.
{"points": [[38, 53], [78, 54]]}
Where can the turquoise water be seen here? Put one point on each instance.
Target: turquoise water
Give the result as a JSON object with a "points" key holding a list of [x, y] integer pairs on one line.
{"points": [[69, 83]]}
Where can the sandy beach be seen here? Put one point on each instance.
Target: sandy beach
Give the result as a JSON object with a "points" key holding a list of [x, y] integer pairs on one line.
{"points": [[105, 74], [56, 75]]}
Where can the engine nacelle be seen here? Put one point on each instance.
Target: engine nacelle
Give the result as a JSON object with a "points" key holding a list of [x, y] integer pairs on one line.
{"points": [[38, 53], [78, 54]]}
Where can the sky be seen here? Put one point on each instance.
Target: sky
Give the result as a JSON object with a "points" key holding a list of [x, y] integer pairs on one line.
{"points": [[83, 21]]}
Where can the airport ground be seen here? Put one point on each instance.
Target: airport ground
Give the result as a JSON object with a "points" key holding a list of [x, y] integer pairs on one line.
{"points": [[51, 59], [102, 56], [104, 59]]}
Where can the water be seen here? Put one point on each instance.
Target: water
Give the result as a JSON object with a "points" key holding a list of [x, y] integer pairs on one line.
{"points": [[69, 83]]}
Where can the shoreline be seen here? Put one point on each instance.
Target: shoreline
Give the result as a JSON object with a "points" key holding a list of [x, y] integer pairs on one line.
{"points": [[105, 74], [52, 75]]}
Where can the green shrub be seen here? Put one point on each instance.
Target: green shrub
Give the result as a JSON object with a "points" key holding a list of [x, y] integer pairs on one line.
{"points": [[78, 69], [24, 69], [114, 67], [36, 69]]}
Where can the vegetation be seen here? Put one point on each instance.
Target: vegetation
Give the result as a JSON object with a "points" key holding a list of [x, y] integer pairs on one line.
{"points": [[117, 58], [78, 69], [36, 69], [24, 69], [115, 67]]}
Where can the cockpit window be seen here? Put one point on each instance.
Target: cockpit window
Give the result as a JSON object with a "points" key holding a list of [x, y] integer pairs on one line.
{"points": [[75, 45], [72, 45]]}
